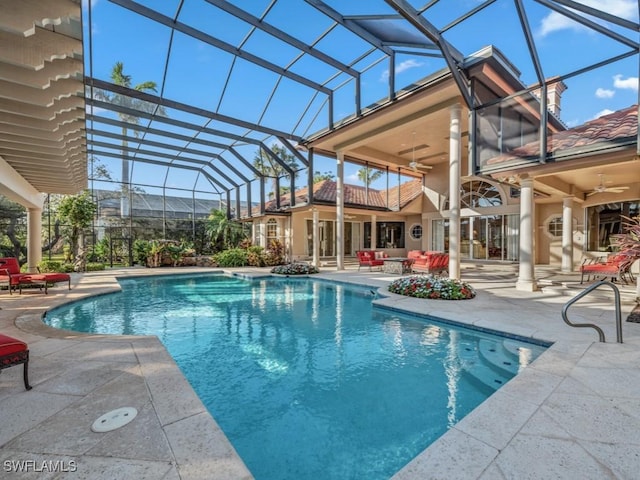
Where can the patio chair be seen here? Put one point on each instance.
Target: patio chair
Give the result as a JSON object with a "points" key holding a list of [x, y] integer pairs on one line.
{"points": [[617, 267], [370, 259], [14, 352]]}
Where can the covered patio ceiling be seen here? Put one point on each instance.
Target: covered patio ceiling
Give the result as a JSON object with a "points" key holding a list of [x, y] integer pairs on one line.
{"points": [[42, 108], [233, 78]]}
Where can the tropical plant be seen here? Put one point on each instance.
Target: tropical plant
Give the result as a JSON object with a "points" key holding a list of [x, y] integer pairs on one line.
{"points": [[76, 213], [629, 241], [268, 167], [255, 256], [100, 250], [274, 254], [368, 175], [224, 232], [432, 286], [141, 251]]}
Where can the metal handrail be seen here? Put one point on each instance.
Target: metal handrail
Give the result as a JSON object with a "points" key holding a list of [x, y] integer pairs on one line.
{"points": [[585, 292]]}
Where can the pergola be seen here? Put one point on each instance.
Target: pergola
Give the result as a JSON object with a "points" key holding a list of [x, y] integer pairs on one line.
{"points": [[235, 78]]}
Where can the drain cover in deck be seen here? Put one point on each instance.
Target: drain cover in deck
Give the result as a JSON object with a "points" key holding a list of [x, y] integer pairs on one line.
{"points": [[114, 419]]}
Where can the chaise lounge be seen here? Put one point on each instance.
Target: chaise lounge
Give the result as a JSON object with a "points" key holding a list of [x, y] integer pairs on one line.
{"points": [[10, 273]]}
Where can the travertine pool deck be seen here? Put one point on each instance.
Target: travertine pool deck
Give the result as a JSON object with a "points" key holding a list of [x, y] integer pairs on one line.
{"points": [[573, 413]]}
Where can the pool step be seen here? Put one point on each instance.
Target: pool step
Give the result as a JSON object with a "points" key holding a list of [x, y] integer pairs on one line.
{"points": [[481, 370], [499, 358]]}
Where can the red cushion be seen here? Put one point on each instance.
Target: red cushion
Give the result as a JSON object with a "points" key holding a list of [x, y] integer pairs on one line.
{"points": [[9, 345], [55, 277], [11, 264]]}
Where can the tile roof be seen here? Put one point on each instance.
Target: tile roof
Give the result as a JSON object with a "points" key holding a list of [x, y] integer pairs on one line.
{"points": [[614, 127], [325, 191]]}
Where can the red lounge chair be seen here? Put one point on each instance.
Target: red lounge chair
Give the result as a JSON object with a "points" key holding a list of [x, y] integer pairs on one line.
{"points": [[14, 352], [10, 272]]}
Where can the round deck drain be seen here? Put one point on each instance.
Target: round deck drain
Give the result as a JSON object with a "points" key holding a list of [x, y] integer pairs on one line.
{"points": [[114, 419]]}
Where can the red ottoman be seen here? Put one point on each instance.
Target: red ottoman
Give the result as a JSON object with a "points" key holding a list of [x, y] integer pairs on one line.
{"points": [[14, 352]]}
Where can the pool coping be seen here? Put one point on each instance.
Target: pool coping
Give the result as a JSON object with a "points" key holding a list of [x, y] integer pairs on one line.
{"points": [[474, 450]]}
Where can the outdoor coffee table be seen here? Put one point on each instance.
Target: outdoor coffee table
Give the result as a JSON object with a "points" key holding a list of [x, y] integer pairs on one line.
{"points": [[397, 265]]}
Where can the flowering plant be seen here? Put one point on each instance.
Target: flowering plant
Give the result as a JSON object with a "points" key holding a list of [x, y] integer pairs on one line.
{"points": [[431, 286], [295, 269]]}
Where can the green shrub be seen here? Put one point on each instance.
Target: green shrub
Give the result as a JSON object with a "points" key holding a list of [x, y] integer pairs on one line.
{"points": [[94, 266], [234, 257], [51, 266], [68, 268]]}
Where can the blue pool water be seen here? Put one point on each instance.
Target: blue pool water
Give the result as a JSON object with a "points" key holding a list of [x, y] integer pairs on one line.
{"points": [[305, 377]]}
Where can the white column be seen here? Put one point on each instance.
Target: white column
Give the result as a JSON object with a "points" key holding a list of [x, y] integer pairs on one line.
{"points": [[526, 276], [567, 234], [374, 232], [34, 238], [455, 158], [340, 210], [316, 238]]}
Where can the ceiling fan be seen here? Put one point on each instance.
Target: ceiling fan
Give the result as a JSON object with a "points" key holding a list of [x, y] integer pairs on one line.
{"points": [[413, 163], [602, 188]]}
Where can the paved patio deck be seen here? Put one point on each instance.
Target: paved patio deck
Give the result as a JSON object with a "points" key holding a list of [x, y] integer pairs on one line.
{"points": [[573, 413]]}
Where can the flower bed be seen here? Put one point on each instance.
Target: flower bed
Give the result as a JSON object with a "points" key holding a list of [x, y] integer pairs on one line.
{"points": [[431, 286], [294, 269]]}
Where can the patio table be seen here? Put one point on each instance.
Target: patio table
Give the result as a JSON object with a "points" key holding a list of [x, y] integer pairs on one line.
{"points": [[397, 265]]}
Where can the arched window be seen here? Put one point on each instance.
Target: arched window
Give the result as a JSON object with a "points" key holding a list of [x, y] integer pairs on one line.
{"points": [[477, 194]]}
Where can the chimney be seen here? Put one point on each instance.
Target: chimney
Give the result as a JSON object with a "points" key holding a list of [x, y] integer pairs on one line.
{"points": [[554, 95]]}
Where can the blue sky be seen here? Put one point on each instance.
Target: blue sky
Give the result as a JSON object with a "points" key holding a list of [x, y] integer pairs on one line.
{"points": [[198, 73]]}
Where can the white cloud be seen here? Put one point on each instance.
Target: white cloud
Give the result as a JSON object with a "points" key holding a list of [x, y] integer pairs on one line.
{"points": [[630, 83], [353, 178], [556, 21], [401, 67], [605, 93], [621, 8], [606, 111]]}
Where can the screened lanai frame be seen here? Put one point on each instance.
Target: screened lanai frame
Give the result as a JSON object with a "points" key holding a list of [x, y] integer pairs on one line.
{"points": [[217, 144]]}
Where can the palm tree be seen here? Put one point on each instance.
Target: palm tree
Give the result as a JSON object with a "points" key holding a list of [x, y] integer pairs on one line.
{"points": [[268, 167], [224, 232], [367, 175], [318, 176], [118, 77]]}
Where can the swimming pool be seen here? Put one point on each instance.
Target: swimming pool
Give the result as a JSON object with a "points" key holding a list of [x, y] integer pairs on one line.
{"points": [[306, 378]]}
